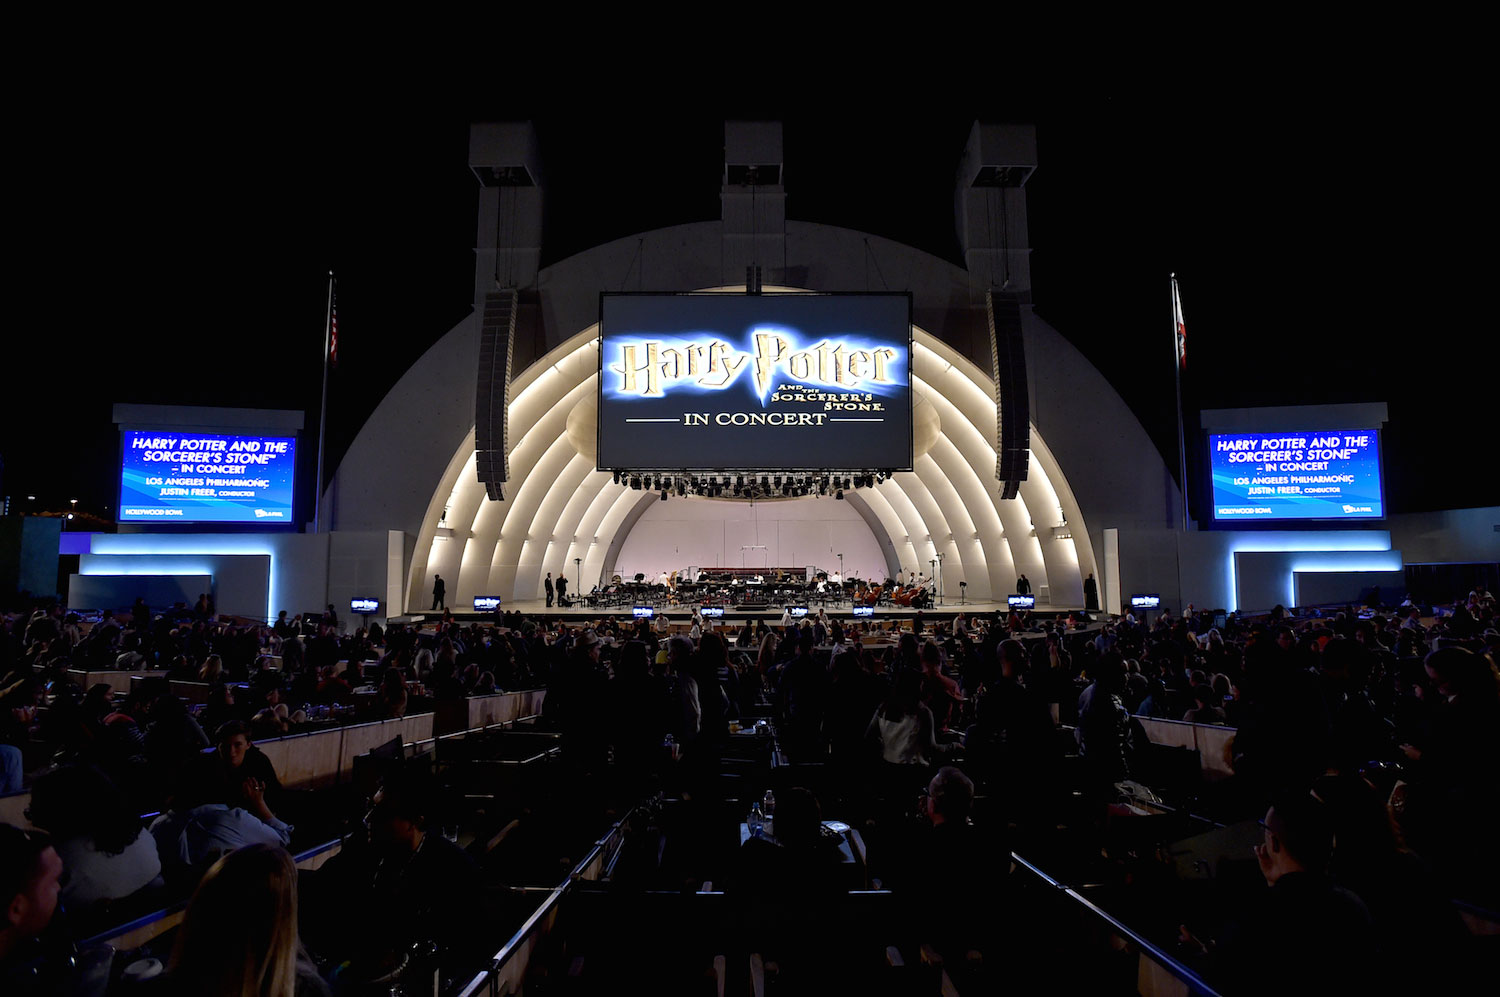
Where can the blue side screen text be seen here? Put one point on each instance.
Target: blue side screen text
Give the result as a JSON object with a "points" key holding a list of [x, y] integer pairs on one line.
{"points": [[1321, 474], [175, 477]]}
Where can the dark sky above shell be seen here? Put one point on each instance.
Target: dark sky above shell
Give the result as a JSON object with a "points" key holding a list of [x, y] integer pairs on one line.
{"points": [[175, 239]]}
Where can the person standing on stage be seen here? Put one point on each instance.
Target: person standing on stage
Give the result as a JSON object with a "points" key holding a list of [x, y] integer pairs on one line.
{"points": [[1023, 587], [438, 591], [547, 587], [1090, 594], [562, 590]]}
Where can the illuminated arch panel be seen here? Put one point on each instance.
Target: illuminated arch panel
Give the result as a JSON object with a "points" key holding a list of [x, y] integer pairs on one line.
{"points": [[557, 507]]}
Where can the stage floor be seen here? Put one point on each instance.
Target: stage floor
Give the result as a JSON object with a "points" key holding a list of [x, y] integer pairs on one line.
{"points": [[538, 609]]}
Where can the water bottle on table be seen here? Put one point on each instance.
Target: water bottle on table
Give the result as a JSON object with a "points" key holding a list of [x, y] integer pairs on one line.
{"points": [[756, 821]]}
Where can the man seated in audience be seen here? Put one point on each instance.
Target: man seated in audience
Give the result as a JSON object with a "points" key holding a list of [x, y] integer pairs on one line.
{"points": [[332, 688], [1304, 934], [238, 763], [404, 883], [1206, 709], [953, 871], [30, 878], [197, 829]]}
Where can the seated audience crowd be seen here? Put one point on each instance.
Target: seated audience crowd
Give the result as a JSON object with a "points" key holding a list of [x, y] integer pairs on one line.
{"points": [[1370, 736]]}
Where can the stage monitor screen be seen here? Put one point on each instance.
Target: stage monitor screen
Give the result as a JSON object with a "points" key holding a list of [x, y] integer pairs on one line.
{"points": [[1145, 602], [1021, 601], [486, 603], [758, 382], [175, 477], [642, 612], [864, 610], [364, 607], [797, 610], [707, 611], [1316, 474]]}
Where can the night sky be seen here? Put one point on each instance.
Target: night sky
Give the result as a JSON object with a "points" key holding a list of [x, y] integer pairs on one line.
{"points": [[177, 241]]}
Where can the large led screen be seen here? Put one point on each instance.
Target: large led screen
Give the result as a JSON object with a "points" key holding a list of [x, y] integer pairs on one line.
{"points": [[175, 477], [755, 382], [1324, 474]]}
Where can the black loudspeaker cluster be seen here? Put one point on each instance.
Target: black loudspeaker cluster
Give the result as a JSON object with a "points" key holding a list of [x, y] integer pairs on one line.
{"points": [[497, 340], [1012, 401]]}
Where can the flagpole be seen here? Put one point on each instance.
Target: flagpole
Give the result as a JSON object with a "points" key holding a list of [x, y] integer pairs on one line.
{"points": [[1177, 364], [323, 412]]}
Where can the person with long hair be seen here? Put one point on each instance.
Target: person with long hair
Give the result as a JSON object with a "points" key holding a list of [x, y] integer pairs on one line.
{"points": [[903, 726], [212, 670], [767, 658], [107, 852], [239, 936]]}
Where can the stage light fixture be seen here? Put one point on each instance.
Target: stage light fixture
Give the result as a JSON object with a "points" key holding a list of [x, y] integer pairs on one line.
{"points": [[617, 477]]}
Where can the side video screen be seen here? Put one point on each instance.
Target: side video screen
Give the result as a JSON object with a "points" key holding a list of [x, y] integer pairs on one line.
{"points": [[1317, 474], [174, 477]]}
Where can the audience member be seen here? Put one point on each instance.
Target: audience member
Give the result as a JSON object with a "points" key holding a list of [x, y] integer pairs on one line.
{"points": [[107, 852], [197, 829], [239, 935], [1303, 934], [31, 874], [403, 864]]}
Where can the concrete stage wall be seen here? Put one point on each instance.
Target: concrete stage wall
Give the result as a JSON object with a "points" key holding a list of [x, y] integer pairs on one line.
{"points": [[712, 533]]}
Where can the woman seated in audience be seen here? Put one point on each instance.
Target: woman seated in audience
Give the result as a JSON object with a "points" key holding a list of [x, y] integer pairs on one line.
{"points": [[940, 694], [393, 694], [273, 719], [220, 708], [174, 738], [799, 861], [107, 853], [212, 670], [239, 935], [903, 726]]}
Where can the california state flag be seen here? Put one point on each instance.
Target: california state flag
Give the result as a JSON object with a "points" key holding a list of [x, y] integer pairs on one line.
{"points": [[1179, 326]]}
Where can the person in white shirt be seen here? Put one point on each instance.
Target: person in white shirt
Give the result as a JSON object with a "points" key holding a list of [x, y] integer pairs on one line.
{"points": [[107, 854]]}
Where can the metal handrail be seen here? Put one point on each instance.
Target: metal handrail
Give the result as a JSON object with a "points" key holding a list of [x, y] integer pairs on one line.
{"points": [[554, 896], [1165, 959]]}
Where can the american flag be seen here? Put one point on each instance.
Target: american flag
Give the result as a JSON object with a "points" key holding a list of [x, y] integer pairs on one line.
{"points": [[333, 329], [1181, 328]]}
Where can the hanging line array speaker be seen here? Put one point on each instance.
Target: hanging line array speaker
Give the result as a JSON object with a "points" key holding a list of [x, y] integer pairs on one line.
{"points": [[1012, 402], [497, 345]]}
